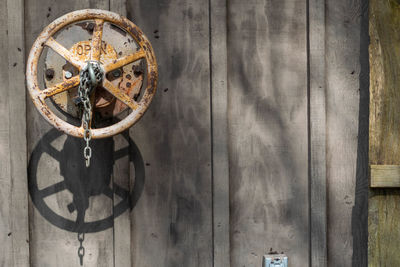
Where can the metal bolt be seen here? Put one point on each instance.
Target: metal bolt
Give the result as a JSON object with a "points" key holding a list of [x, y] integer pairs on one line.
{"points": [[116, 73], [68, 75], [90, 27], [49, 74]]}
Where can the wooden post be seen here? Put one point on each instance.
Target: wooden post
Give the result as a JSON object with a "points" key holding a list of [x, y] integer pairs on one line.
{"points": [[384, 132]]}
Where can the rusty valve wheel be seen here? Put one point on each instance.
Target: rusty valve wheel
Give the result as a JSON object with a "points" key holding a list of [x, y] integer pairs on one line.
{"points": [[144, 51]]}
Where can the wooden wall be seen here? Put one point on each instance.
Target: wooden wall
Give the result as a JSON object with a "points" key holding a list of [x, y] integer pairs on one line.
{"points": [[172, 223], [268, 159], [383, 218], [256, 140], [347, 83]]}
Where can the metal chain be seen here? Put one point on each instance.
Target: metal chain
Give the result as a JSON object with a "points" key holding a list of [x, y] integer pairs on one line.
{"points": [[84, 95], [90, 76], [81, 249]]}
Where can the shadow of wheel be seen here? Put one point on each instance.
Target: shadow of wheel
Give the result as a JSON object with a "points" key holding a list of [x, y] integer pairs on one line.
{"points": [[129, 199]]}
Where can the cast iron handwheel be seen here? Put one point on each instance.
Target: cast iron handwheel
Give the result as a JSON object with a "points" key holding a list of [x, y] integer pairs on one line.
{"points": [[99, 16]]}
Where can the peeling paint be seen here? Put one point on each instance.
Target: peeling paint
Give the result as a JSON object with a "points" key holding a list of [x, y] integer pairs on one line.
{"points": [[99, 16]]}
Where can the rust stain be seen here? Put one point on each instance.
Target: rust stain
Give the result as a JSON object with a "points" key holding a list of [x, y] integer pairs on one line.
{"points": [[126, 90]]}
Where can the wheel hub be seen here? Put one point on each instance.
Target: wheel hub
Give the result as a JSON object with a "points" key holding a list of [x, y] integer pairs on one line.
{"points": [[105, 103]]}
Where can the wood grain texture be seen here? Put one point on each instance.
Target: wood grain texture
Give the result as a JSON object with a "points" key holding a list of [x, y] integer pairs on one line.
{"points": [[172, 223], [219, 118], [17, 134], [6, 253], [385, 175], [118, 6], [317, 132], [268, 157], [384, 142], [182, 216], [52, 245], [345, 172], [124, 177]]}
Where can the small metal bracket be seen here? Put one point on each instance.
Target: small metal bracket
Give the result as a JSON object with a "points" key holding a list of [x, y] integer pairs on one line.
{"points": [[275, 260]]}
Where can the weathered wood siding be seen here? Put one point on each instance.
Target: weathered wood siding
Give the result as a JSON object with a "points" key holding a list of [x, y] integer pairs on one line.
{"points": [[347, 131], [384, 143], [14, 230], [257, 139], [172, 222], [267, 96], [53, 160]]}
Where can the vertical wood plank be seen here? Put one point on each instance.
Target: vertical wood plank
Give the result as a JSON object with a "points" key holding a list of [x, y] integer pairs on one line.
{"points": [[6, 253], [317, 132], [219, 118], [122, 224], [359, 218], [171, 222], [52, 245], [384, 131], [268, 133], [17, 133], [118, 6], [344, 142], [123, 177]]}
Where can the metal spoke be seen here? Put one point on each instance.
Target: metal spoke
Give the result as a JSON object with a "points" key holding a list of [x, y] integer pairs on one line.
{"points": [[121, 95], [62, 51], [118, 63], [61, 87], [96, 40], [52, 189]]}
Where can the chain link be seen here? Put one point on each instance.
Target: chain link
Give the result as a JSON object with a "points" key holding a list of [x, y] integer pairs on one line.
{"points": [[81, 249], [90, 77]]}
